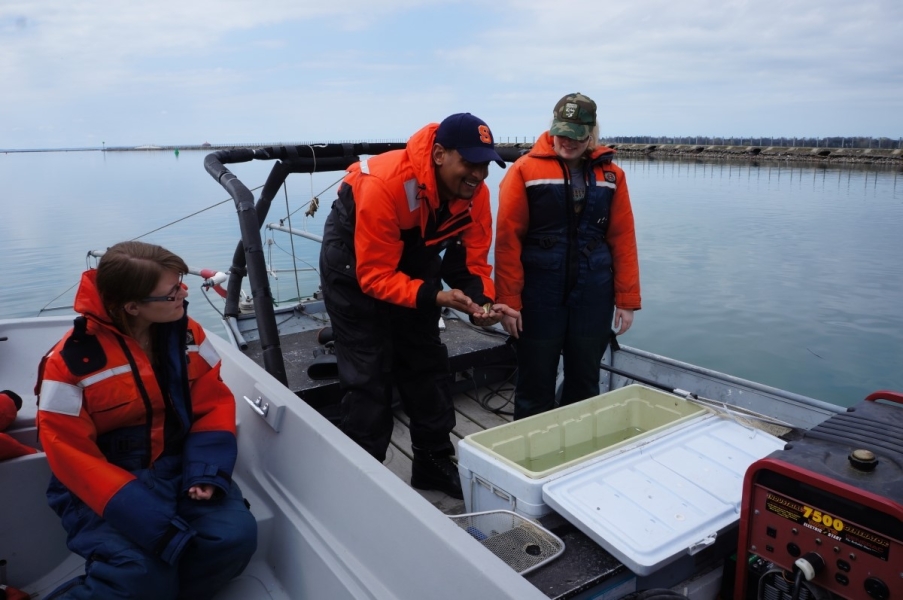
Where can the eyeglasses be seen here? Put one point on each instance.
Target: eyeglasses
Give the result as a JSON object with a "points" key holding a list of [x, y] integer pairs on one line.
{"points": [[171, 297]]}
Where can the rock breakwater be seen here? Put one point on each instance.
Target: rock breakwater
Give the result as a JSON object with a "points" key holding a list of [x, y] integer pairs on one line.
{"points": [[891, 157]]}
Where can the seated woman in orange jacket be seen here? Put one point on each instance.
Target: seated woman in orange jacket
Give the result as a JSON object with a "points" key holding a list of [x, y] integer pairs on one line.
{"points": [[139, 432], [566, 257]]}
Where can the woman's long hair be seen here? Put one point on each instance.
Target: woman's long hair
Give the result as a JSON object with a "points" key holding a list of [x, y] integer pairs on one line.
{"points": [[593, 139]]}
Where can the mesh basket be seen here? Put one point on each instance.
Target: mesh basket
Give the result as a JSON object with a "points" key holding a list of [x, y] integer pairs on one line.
{"points": [[521, 543]]}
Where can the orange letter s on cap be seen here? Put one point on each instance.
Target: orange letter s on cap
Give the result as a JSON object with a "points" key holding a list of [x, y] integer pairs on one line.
{"points": [[485, 135]]}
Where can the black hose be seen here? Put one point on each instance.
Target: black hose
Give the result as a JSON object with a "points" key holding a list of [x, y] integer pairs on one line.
{"points": [[797, 585]]}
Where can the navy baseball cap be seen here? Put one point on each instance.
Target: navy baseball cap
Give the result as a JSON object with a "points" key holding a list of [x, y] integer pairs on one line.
{"points": [[470, 136]]}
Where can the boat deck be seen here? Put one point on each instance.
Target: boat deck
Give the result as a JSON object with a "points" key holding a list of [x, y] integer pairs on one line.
{"points": [[470, 417], [482, 364], [583, 565], [483, 354]]}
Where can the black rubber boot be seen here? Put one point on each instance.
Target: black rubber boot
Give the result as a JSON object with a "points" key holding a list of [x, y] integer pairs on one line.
{"points": [[436, 471]]}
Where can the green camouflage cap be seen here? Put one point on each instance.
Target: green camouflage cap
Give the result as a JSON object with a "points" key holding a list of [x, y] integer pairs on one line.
{"points": [[574, 117]]}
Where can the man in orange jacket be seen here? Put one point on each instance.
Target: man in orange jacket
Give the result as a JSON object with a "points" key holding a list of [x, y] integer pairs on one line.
{"points": [[403, 222]]}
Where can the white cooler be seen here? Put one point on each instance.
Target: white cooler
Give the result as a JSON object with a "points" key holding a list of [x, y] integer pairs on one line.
{"points": [[651, 505], [505, 468]]}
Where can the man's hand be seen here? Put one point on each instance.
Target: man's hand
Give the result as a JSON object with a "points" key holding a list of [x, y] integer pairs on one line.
{"points": [[458, 300], [486, 316], [483, 316]]}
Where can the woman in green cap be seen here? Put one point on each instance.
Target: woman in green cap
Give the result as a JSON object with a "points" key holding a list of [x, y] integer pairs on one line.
{"points": [[566, 257]]}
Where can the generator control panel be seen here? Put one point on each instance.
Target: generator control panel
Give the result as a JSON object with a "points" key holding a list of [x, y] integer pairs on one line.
{"points": [[855, 559], [827, 510]]}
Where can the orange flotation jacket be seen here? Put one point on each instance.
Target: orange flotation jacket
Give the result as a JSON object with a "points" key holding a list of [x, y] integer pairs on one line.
{"points": [[104, 412], [387, 211], [10, 403], [537, 226]]}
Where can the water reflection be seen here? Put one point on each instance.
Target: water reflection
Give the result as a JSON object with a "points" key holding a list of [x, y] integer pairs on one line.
{"points": [[783, 273], [848, 173]]}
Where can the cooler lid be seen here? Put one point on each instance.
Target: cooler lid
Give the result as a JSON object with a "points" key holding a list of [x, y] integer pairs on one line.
{"points": [[649, 505]]}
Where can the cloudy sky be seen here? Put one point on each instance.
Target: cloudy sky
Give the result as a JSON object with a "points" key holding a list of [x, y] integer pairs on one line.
{"points": [[76, 73]]}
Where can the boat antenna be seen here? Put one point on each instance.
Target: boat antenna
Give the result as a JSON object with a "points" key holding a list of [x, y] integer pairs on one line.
{"points": [[291, 238]]}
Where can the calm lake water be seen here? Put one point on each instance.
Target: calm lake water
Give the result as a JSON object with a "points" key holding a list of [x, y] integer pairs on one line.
{"points": [[786, 275]]}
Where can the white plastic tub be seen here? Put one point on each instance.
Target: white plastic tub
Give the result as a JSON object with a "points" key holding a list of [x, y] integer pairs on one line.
{"points": [[504, 468]]}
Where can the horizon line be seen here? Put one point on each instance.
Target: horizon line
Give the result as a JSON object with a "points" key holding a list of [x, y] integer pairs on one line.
{"points": [[621, 139]]}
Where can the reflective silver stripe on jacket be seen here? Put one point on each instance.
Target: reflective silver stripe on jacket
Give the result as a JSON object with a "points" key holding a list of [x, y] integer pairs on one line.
{"points": [[410, 190], [65, 398], [61, 398], [98, 377], [206, 351], [599, 183], [544, 182]]}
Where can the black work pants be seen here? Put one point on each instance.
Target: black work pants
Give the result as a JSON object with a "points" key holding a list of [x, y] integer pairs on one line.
{"points": [[379, 345]]}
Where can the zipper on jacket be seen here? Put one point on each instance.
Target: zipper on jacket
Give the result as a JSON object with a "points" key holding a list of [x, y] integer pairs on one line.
{"points": [[438, 231], [570, 276]]}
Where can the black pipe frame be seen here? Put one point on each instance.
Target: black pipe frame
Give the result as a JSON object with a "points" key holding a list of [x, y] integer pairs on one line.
{"points": [[249, 254]]}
